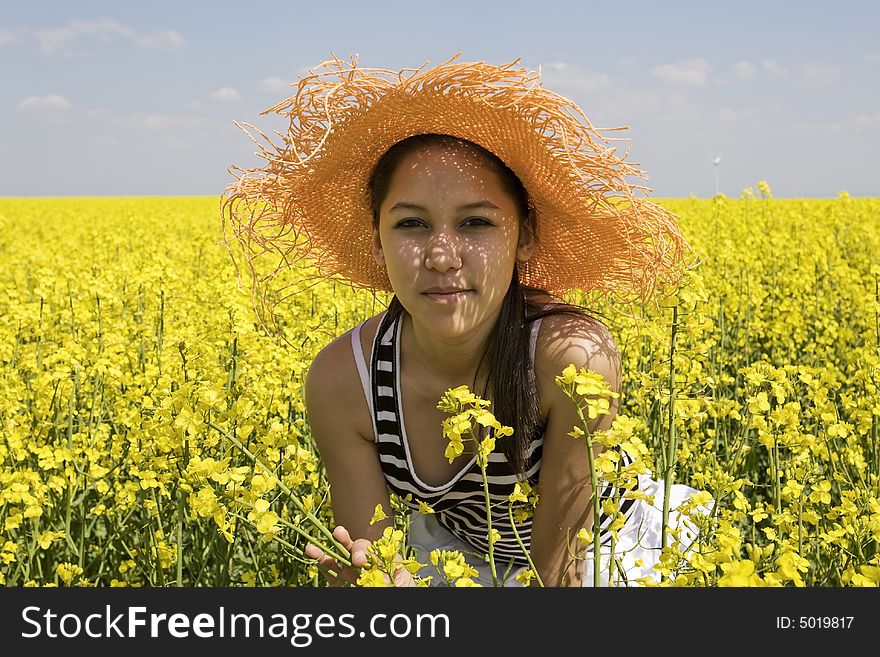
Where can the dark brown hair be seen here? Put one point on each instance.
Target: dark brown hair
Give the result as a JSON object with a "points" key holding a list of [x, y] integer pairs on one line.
{"points": [[510, 377]]}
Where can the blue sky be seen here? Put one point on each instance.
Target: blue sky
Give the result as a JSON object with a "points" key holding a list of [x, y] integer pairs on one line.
{"points": [[107, 98]]}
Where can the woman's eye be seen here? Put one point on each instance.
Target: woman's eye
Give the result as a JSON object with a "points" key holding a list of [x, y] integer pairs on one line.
{"points": [[409, 223], [477, 221]]}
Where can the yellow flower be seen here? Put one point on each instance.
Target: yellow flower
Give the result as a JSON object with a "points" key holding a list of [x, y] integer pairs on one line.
{"points": [[584, 537], [868, 576], [790, 565], [821, 492], [13, 521], [67, 571], [517, 495], [454, 449], [701, 498], [7, 553], [568, 375], [486, 447], [638, 495], [262, 484], [616, 525], [699, 562], [389, 544], [45, 539], [739, 573], [606, 462], [373, 578], [265, 520], [524, 577], [378, 515], [485, 418], [759, 403]]}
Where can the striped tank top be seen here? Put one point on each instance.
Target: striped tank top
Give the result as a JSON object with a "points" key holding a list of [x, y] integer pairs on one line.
{"points": [[460, 503]]}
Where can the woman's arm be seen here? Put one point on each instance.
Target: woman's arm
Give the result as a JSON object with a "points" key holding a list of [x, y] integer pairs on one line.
{"points": [[338, 415], [565, 501]]}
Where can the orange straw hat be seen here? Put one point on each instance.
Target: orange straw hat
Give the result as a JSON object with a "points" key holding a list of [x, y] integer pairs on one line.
{"points": [[309, 204]]}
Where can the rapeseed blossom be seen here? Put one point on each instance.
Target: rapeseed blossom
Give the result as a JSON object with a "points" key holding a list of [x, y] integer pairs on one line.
{"points": [[117, 368]]}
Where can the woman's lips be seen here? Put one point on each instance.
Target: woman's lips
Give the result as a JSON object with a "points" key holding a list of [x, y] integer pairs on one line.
{"points": [[447, 297]]}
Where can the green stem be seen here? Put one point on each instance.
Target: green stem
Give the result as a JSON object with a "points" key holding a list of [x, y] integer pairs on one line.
{"points": [[594, 485], [774, 460], [330, 550], [293, 548], [320, 526], [671, 446], [522, 546], [180, 510], [488, 518]]}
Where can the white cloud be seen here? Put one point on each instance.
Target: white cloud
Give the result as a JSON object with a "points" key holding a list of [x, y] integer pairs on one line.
{"points": [[562, 77], [745, 115], [692, 72], [7, 37], [639, 107], [53, 109], [774, 68], [867, 121], [167, 40], [51, 104], [70, 39], [873, 57], [744, 70], [158, 123], [168, 131], [96, 114], [819, 75], [273, 84], [226, 95], [837, 128], [60, 39]]}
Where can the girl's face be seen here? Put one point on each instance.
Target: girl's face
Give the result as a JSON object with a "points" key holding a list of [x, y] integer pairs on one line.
{"points": [[448, 238]]}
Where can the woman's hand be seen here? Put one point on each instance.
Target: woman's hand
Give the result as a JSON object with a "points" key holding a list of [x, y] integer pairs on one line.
{"points": [[338, 574], [335, 573]]}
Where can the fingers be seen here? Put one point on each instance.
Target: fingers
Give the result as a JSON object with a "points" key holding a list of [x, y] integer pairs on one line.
{"points": [[359, 552], [334, 573], [341, 534], [358, 548]]}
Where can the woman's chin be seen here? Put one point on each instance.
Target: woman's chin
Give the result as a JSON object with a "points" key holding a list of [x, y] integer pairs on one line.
{"points": [[445, 318]]}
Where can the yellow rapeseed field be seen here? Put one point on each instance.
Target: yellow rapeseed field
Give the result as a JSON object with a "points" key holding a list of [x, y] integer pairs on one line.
{"points": [[151, 433]]}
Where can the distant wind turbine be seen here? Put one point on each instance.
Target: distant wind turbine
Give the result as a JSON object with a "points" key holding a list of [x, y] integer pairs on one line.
{"points": [[716, 161]]}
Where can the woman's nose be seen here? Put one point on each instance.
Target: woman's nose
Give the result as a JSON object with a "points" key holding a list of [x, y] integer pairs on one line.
{"points": [[442, 253]]}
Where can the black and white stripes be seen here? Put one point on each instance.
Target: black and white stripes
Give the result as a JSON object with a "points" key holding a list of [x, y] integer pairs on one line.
{"points": [[459, 503]]}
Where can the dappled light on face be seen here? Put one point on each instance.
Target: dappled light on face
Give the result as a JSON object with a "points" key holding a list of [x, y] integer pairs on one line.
{"points": [[448, 231]]}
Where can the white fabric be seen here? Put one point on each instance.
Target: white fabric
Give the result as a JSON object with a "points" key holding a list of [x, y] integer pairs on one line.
{"points": [[640, 539], [363, 372]]}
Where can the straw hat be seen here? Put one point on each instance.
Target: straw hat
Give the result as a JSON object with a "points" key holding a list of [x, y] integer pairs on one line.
{"points": [[309, 203]]}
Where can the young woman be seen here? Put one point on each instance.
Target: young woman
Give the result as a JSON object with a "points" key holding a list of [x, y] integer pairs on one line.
{"points": [[468, 192]]}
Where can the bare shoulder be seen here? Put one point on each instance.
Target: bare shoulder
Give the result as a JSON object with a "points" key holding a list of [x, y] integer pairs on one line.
{"points": [[333, 383], [581, 341]]}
